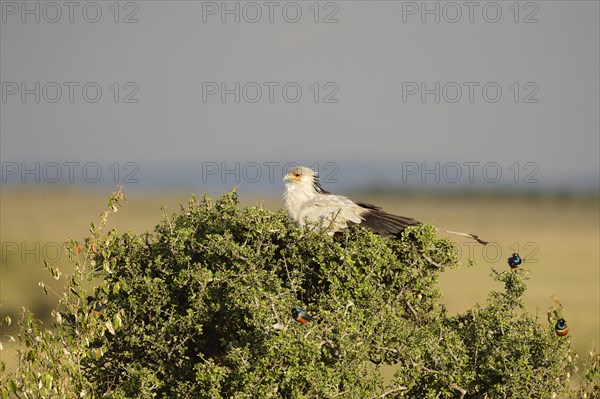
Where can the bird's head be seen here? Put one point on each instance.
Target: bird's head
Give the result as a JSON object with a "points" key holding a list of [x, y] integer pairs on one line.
{"points": [[515, 260], [561, 324], [301, 176]]}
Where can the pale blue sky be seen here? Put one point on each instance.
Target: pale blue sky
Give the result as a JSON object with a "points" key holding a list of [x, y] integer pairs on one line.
{"points": [[371, 61]]}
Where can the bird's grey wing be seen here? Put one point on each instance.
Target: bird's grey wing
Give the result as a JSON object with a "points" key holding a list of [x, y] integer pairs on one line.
{"points": [[335, 209]]}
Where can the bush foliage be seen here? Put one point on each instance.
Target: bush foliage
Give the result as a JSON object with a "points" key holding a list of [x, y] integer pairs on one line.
{"points": [[201, 308]]}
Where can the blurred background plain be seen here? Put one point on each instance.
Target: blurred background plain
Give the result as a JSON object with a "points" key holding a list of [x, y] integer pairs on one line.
{"points": [[481, 118]]}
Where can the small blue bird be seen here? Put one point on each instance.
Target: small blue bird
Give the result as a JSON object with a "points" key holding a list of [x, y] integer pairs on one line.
{"points": [[301, 316], [561, 328], [514, 261], [95, 306]]}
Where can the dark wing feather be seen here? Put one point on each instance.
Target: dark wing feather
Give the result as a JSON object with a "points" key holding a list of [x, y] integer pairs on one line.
{"points": [[318, 188], [384, 223], [366, 205], [305, 316]]}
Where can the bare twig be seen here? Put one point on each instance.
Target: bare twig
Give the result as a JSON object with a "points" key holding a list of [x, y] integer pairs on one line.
{"points": [[428, 259], [414, 312], [462, 391], [339, 394], [274, 311], [397, 389], [384, 348]]}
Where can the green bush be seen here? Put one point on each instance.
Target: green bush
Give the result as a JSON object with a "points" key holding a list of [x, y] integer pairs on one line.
{"points": [[201, 308]]}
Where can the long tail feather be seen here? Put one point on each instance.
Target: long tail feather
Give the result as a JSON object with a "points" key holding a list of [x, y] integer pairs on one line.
{"points": [[468, 235], [384, 223]]}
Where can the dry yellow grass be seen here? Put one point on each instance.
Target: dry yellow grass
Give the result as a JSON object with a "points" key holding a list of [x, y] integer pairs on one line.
{"points": [[564, 232]]}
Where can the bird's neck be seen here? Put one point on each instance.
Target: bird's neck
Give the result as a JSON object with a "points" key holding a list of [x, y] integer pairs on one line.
{"points": [[295, 196]]}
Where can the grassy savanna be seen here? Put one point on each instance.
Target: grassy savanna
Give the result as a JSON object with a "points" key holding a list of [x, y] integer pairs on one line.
{"points": [[563, 231]]}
